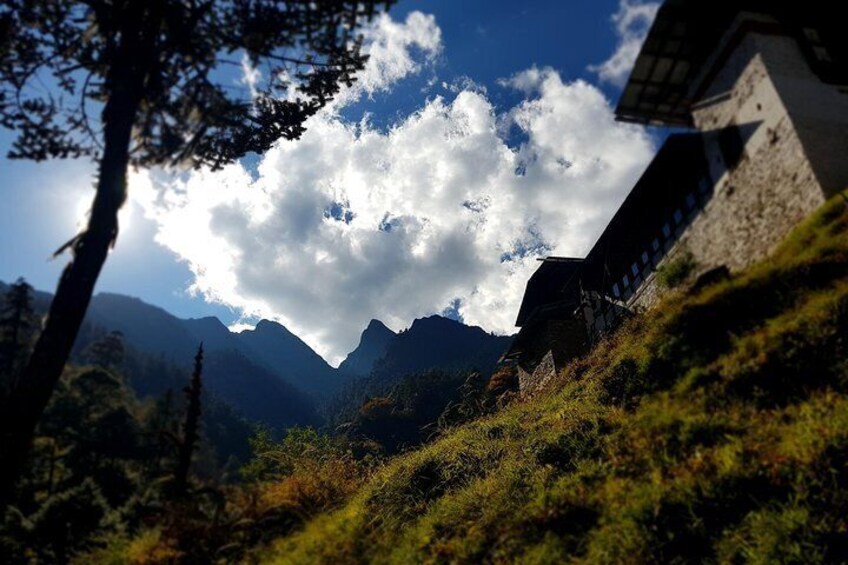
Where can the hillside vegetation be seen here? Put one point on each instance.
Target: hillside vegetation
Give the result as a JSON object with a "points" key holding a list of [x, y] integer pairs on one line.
{"points": [[713, 428]]}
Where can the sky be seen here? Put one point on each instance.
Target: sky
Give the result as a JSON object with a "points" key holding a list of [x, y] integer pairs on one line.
{"points": [[479, 138]]}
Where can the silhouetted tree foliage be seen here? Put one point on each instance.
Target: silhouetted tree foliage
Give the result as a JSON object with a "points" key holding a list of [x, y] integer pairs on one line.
{"points": [[105, 463], [91, 470], [414, 410], [18, 327], [156, 74], [107, 352], [504, 381], [161, 66], [66, 522], [471, 402], [274, 460]]}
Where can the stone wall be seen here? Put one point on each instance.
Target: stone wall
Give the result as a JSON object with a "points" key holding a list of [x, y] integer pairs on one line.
{"points": [[553, 344], [529, 383], [756, 201]]}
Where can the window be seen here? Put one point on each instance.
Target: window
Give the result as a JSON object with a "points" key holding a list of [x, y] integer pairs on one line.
{"points": [[635, 269], [616, 291], [625, 281], [704, 185], [656, 244], [678, 216], [645, 257], [690, 201], [667, 230]]}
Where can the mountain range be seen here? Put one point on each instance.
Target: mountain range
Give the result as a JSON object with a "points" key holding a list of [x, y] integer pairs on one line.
{"points": [[268, 373]]}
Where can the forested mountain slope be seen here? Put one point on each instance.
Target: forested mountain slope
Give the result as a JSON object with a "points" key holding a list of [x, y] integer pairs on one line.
{"points": [[439, 343]]}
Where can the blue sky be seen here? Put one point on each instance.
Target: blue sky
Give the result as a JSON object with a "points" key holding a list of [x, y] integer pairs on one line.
{"points": [[489, 40], [475, 47]]}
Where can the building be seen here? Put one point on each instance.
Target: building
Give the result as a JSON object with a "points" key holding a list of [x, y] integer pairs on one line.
{"points": [[761, 87], [553, 336]]}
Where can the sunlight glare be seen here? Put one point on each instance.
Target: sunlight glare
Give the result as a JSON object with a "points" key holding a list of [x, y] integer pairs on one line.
{"points": [[83, 208]]}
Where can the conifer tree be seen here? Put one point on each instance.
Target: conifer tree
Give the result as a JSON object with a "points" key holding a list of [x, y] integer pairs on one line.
{"points": [[161, 75], [17, 329], [160, 430], [191, 427], [107, 352]]}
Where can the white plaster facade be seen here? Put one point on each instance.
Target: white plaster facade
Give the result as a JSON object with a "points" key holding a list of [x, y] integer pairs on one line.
{"points": [[794, 138]]}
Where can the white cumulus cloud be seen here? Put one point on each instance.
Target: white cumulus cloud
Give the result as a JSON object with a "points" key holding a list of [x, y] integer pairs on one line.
{"points": [[351, 223], [392, 48], [395, 50], [632, 22]]}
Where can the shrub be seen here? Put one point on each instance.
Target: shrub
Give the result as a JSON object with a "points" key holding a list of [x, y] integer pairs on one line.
{"points": [[673, 273], [66, 522]]}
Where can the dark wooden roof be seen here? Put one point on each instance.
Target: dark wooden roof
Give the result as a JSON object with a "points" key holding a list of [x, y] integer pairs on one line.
{"points": [[685, 38], [678, 172], [545, 288]]}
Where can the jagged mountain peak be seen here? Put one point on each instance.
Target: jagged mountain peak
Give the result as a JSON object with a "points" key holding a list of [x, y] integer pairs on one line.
{"points": [[437, 342], [376, 324], [268, 326], [210, 323], [211, 320], [437, 323], [373, 343], [430, 342], [376, 328], [211, 331], [277, 348]]}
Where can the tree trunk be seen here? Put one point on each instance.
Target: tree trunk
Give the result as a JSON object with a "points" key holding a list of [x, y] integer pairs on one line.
{"points": [[76, 285]]}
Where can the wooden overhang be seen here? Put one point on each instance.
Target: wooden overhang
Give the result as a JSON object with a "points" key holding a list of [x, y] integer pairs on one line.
{"points": [[544, 292], [678, 173], [688, 36]]}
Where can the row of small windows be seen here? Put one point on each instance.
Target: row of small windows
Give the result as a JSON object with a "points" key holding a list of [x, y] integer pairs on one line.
{"points": [[671, 231]]}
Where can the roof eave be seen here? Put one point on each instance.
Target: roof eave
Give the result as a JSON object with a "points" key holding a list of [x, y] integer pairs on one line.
{"points": [[642, 120]]}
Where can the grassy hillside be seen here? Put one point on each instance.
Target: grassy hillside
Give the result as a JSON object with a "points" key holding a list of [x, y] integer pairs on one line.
{"points": [[715, 427]]}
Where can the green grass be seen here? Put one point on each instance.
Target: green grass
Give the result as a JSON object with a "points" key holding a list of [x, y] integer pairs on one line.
{"points": [[713, 428]]}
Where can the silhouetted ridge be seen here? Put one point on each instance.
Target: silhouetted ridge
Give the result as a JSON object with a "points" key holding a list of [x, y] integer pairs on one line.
{"points": [[148, 328], [212, 332], [256, 392], [437, 342], [267, 370], [235, 372], [281, 351], [373, 343]]}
